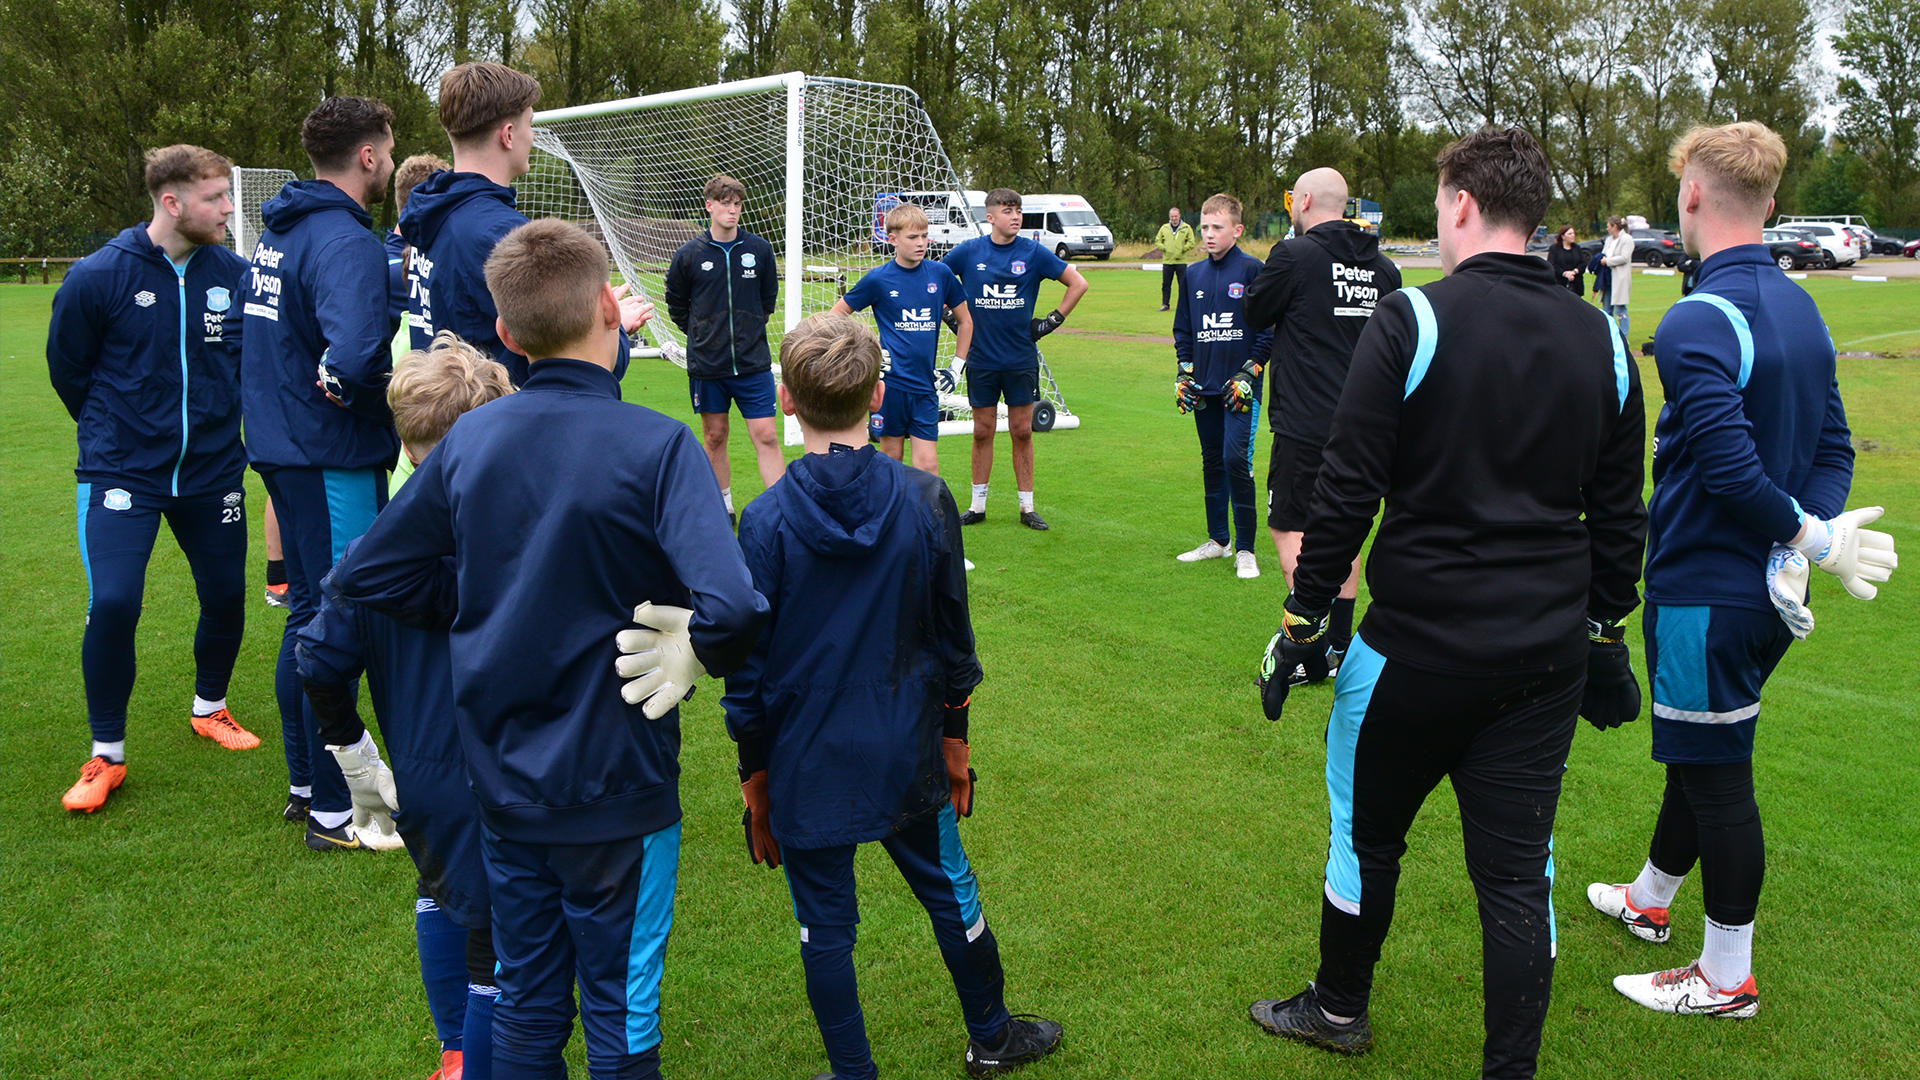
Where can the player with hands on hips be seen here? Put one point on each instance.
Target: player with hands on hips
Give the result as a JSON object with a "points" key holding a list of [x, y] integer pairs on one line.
{"points": [[1217, 379]]}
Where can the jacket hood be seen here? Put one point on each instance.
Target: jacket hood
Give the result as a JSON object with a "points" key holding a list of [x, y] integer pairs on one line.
{"points": [[1345, 241], [436, 198], [841, 503], [134, 241], [303, 197]]}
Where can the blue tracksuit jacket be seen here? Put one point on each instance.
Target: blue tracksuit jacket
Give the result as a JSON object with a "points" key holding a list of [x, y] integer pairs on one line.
{"points": [[721, 296], [563, 509], [1210, 321], [410, 684], [317, 284], [860, 560], [138, 354], [453, 220], [1752, 432], [396, 246]]}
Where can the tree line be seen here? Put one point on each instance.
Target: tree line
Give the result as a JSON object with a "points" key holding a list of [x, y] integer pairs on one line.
{"points": [[1136, 104]]}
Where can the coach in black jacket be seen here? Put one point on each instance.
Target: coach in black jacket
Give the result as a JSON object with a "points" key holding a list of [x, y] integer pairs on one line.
{"points": [[1500, 419], [1317, 291]]}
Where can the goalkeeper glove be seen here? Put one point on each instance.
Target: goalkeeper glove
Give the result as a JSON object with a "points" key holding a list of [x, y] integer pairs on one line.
{"points": [[369, 781], [659, 660], [960, 778], [1043, 327], [1787, 573], [952, 320], [1612, 696], [945, 380], [1857, 556], [1186, 393], [761, 846], [1242, 388], [1300, 640]]}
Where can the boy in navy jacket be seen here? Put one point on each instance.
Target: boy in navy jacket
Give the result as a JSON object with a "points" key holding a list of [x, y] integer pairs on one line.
{"points": [[1218, 380], [137, 353], [410, 684], [561, 508], [851, 714], [314, 361], [721, 289], [1752, 463]]}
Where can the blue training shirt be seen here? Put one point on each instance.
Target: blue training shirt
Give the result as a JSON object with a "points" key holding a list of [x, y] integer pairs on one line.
{"points": [[906, 306], [1002, 287]]}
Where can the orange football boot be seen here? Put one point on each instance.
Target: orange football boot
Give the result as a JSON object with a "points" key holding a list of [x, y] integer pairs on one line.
{"points": [[98, 778], [450, 1066], [223, 729]]}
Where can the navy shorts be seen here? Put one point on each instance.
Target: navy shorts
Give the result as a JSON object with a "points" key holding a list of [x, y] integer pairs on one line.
{"points": [[1707, 665], [905, 414], [985, 387], [752, 393]]}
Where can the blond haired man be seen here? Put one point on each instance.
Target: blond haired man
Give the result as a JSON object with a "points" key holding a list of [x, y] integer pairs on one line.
{"points": [[1752, 462]]}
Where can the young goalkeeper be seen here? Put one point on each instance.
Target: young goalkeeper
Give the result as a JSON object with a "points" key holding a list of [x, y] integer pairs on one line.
{"points": [[851, 713], [560, 508], [1218, 380], [909, 296], [410, 684]]}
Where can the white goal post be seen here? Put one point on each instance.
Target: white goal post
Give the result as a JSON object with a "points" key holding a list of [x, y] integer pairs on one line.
{"points": [[251, 190], [821, 160]]}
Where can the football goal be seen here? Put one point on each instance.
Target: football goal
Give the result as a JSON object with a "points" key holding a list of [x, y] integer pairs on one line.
{"points": [[251, 190], [821, 159]]}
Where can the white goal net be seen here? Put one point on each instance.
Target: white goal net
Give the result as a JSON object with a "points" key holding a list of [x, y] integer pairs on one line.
{"points": [[251, 190], [821, 160]]}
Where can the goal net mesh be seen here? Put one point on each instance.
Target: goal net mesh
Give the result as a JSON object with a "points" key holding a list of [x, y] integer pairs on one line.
{"points": [[633, 175], [251, 190]]}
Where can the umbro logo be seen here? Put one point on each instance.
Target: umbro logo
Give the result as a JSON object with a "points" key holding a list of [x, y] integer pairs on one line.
{"points": [[893, 292], [708, 265], [979, 266], [233, 498], [1199, 293], [145, 298]]}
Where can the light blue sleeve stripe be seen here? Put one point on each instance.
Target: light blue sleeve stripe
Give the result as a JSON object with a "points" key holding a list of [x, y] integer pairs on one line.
{"points": [[1741, 330], [1619, 357], [647, 948], [1352, 693], [1428, 340]]}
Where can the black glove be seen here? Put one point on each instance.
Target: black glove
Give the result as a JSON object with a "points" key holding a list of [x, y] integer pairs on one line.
{"points": [[1301, 639], [1043, 327], [952, 320], [1612, 697]]}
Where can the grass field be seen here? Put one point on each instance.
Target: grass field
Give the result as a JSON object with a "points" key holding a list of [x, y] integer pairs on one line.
{"points": [[1149, 848]]}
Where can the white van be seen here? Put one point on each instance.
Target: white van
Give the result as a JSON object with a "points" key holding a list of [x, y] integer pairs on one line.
{"points": [[1066, 225], [952, 216]]}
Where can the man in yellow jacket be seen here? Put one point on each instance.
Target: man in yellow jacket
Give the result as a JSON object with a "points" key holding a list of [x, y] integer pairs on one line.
{"points": [[1176, 243]]}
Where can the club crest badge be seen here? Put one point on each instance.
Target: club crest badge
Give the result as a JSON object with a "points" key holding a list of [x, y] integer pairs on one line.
{"points": [[1236, 290], [219, 299], [117, 499], [1019, 266], [933, 287], [746, 258]]}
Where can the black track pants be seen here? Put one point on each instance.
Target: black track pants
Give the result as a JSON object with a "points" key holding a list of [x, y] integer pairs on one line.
{"points": [[1710, 816]]}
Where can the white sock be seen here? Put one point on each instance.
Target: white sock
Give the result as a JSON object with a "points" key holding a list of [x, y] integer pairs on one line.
{"points": [[1026, 500], [115, 752], [1726, 959], [726, 494], [330, 819], [1653, 889], [979, 499], [203, 707], [305, 791]]}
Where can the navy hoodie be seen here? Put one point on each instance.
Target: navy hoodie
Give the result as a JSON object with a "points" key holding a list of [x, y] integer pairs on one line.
{"points": [[860, 560], [1210, 328], [138, 355], [1752, 432], [318, 285], [721, 296], [396, 246], [452, 221], [563, 509]]}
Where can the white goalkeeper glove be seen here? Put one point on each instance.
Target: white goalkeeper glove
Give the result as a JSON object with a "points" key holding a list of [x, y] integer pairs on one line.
{"points": [[1842, 547], [1787, 574], [659, 660], [370, 784]]}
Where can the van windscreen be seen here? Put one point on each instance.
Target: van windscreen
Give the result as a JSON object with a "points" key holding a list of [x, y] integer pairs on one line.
{"points": [[1079, 217]]}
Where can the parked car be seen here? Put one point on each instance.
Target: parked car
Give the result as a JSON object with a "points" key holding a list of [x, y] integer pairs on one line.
{"points": [[1793, 250], [1833, 236], [1881, 245], [1911, 249], [1657, 247]]}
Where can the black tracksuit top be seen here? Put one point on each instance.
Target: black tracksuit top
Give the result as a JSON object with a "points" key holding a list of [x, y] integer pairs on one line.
{"points": [[1511, 465]]}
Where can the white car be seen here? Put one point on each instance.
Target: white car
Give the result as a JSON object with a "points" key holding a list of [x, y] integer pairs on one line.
{"points": [[1834, 238]]}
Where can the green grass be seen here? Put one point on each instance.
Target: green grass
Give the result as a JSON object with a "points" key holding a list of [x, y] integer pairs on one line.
{"points": [[1149, 848]]}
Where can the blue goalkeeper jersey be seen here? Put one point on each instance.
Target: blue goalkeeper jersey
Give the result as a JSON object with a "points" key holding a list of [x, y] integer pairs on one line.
{"points": [[907, 304], [1002, 283]]}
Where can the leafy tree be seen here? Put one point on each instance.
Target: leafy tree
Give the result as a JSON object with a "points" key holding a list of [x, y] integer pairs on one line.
{"points": [[43, 207], [1881, 100]]}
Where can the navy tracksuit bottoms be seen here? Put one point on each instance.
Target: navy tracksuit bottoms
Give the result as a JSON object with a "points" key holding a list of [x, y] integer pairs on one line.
{"points": [[929, 856], [1226, 468], [117, 531], [595, 916], [320, 512]]}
